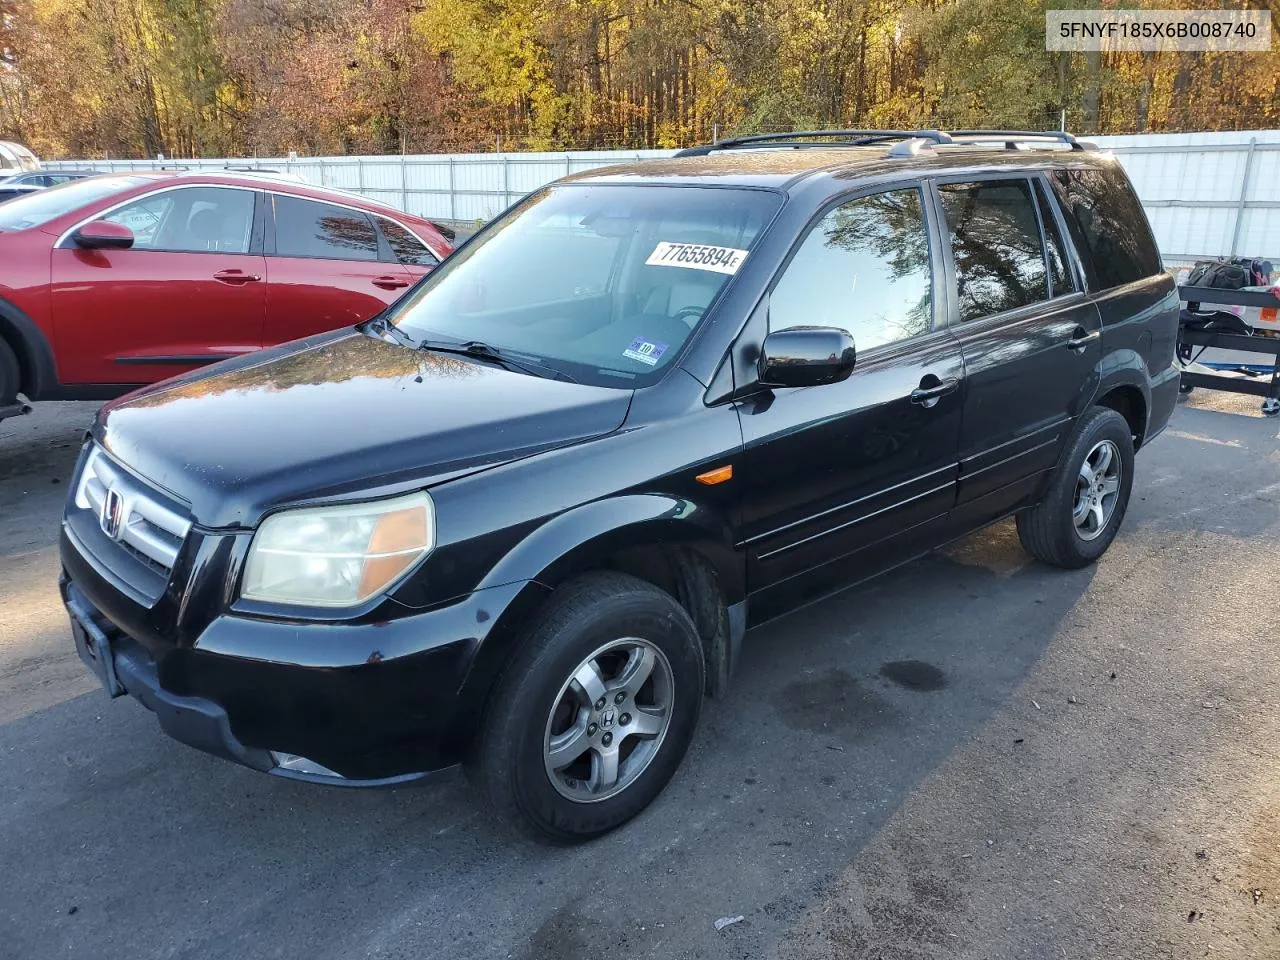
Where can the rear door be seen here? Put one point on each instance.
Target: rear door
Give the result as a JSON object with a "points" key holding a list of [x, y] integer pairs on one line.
{"points": [[189, 292], [406, 248], [1031, 338], [327, 267], [861, 471]]}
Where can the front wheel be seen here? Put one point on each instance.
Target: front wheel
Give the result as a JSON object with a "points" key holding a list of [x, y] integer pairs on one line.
{"points": [[10, 375], [1087, 497], [594, 712]]}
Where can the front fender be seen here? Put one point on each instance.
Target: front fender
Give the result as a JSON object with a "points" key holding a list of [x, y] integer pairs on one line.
{"points": [[581, 538], [29, 343]]}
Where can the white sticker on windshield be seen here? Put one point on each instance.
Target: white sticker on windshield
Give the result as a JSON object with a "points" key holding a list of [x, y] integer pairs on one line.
{"points": [[697, 256]]}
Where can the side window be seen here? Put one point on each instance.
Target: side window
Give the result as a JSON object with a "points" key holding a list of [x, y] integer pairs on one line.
{"points": [[194, 220], [995, 238], [406, 247], [308, 228], [865, 267], [1060, 275], [144, 218], [1108, 225]]}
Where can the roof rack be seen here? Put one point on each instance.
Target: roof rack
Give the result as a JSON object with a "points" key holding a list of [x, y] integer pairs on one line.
{"points": [[1012, 138], [909, 142], [816, 138]]}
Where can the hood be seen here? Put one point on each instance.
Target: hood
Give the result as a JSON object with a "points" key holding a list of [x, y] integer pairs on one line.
{"points": [[340, 414]]}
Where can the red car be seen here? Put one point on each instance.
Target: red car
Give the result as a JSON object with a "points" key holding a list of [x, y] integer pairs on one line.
{"points": [[117, 281]]}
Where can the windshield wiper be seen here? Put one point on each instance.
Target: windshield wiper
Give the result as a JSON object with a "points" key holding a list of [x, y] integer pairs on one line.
{"points": [[485, 351]]}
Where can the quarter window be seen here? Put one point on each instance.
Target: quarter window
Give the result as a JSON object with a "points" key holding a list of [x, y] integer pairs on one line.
{"points": [[191, 220], [308, 228], [1108, 225], [864, 268], [995, 239], [407, 248]]}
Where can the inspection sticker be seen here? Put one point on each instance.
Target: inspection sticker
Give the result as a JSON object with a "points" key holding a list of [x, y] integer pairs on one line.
{"points": [[697, 256], [646, 351]]}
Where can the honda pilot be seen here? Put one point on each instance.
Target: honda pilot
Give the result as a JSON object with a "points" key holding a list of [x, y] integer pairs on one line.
{"points": [[521, 521]]}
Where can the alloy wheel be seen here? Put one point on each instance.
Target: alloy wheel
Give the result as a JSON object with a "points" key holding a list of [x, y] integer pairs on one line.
{"points": [[1097, 490], [609, 720]]}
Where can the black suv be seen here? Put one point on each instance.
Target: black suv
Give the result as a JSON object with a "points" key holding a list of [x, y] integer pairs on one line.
{"points": [[522, 521]]}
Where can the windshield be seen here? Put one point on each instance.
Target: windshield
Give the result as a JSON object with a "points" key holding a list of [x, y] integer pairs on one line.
{"points": [[603, 283], [38, 208]]}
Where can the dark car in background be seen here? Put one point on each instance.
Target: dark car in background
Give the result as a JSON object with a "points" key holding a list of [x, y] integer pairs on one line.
{"points": [[112, 282], [522, 520], [20, 184]]}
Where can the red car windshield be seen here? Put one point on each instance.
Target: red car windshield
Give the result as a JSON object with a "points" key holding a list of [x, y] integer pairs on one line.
{"points": [[38, 208]]}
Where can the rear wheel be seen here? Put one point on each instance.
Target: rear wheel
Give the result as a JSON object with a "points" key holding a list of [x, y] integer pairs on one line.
{"points": [[594, 712], [1087, 497]]}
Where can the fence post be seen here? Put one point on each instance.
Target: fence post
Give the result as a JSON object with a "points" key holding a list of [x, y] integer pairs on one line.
{"points": [[453, 192], [1244, 195], [404, 183], [506, 183], [360, 175]]}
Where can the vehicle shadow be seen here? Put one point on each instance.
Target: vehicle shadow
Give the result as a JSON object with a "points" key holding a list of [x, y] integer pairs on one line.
{"points": [[127, 844]]}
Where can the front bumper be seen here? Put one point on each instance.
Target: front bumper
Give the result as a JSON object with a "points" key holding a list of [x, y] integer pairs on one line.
{"points": [[374, 704]]}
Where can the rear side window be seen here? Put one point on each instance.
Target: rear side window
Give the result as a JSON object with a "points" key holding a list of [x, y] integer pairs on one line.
{"points": [[406, 247], [308, 228], [1108, 226], [995, 239]]}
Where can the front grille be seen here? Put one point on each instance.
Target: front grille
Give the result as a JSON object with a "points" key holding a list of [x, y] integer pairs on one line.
{"points": [[143, 527]]}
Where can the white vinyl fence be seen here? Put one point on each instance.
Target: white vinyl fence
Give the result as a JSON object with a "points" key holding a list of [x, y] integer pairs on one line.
{"points": [[1207, 194]]}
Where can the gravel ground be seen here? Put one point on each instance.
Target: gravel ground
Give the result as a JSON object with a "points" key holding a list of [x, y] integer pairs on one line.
{"points": [[975, 757]]}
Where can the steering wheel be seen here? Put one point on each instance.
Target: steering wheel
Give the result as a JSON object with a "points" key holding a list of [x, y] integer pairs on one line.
{"points": [[685, 312]]}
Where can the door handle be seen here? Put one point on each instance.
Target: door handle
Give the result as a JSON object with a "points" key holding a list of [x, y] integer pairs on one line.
{"points": [[235, 276], [390, 283], [928, 395], [1079, 339]]}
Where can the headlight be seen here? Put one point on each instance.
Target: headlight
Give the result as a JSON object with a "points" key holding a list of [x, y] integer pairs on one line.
{"points": [[337, 556]]}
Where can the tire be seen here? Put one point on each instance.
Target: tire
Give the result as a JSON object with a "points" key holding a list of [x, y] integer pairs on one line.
{"points": [[10, 375], [537, 697], [1049, 531]]}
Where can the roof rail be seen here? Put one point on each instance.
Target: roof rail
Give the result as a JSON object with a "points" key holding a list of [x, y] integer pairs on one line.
{"points": [[1012, 138], [816, 138], [910, 142]]}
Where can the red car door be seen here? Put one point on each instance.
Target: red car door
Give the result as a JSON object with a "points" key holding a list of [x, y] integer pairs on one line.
{"points": [[407, 247], [326, 268], [189, 291]]}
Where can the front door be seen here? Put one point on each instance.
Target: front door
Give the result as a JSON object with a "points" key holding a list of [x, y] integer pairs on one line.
{"points": [[861, 471], [189, 292], [1030, 337]]}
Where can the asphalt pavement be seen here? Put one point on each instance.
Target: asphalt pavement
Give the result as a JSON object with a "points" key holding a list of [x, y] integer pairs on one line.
{"points": [[976, 757]]}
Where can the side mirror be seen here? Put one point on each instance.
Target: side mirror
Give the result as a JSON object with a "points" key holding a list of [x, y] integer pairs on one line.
{"points": [[103, 235], [806, 357]]}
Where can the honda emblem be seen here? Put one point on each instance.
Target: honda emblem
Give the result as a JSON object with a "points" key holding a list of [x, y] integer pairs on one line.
{"points": [[112, 518]]}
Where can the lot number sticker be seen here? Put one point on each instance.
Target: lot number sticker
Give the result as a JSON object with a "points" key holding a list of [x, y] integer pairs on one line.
{"points": [[697, 256]]}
